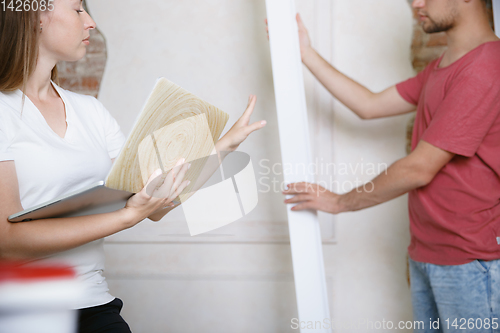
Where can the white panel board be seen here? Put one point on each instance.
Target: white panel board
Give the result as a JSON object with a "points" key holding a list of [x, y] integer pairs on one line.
{"points": [[305, 237], [496, 16]]}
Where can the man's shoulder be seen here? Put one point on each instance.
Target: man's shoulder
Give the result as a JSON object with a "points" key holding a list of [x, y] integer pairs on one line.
{"points": [[487, 61], [424, 74], [481, 66], [491, 49]]}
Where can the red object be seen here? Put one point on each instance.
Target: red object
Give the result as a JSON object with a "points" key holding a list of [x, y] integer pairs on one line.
{"points": [[18, 272], [456, 218]]}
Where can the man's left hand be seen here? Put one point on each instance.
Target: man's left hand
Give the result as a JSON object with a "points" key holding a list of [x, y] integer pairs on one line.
{"points": [[313, 196]]}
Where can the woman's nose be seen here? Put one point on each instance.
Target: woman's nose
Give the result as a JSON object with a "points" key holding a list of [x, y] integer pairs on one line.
{"points": [[89, 22]]}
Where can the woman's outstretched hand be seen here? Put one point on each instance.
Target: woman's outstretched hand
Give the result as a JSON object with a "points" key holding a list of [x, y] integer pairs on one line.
{"points": [[158, 193], [241, 129]]}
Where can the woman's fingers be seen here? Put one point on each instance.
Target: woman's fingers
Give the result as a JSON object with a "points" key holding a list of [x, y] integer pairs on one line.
{"points": [[179, 178], [252, 100], [179, 189], [153, 182], [255, 126], [241, 128], [163, 189], [245, 118]]}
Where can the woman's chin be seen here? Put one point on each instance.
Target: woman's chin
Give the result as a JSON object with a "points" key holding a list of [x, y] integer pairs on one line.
{"points": [[75, 57]]}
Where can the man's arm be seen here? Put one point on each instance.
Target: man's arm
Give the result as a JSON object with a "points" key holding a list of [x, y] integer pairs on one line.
{"points": [[363, 102], [411, 172]]}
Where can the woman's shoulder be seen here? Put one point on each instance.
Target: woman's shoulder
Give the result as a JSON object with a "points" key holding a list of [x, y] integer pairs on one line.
{"points": [[12, 110], [10, 114], [85, 106], [88, 108], [76, 98], [10, 100]]}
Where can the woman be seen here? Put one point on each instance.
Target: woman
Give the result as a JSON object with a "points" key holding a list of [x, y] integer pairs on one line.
{"points": [[53, 141]]}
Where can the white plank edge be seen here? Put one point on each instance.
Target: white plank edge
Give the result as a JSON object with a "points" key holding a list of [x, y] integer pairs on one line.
{"points": [[305, 237]]}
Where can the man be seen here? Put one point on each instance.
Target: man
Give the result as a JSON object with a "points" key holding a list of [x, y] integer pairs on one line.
{"points": [[452, 174]]}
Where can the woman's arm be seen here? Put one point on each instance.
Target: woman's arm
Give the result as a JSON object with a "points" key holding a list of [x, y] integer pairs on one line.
{"points": [[39, 238]]}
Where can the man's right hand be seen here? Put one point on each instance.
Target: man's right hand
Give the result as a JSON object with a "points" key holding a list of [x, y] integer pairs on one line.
{"points": [[304, 40], [364, 103]]}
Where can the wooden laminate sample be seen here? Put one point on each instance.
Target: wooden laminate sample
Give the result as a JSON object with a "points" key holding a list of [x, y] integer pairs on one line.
{"points": [[173, 124]]}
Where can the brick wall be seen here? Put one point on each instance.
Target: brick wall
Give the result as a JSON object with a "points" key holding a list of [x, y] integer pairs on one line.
{"points": [[85, 75]]}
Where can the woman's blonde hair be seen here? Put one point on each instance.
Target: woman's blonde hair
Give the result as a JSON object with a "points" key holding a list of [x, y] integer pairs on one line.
{"points": [[19, 39]]}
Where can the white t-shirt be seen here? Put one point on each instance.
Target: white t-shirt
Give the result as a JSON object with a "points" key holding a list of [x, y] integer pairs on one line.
{"points": [[49, 166]]}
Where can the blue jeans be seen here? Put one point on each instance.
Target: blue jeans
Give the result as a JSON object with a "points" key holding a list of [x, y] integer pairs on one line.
{"points": [[461, 298]]}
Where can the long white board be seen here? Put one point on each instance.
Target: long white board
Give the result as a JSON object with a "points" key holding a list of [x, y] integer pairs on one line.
{"points": [[496, 16], [305, 237]]}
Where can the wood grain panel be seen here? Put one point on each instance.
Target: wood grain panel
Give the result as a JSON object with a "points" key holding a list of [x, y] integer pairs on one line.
{"points": [[157, 126]]}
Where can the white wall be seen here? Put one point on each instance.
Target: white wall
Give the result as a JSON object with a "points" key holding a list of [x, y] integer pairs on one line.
{"points": [[372, 45], [239, 277]]}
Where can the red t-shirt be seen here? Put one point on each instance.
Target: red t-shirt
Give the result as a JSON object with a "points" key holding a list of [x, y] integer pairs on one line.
{"points": [[456, 218]]}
